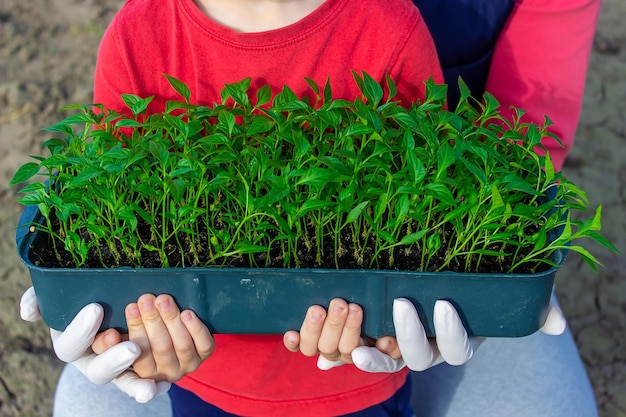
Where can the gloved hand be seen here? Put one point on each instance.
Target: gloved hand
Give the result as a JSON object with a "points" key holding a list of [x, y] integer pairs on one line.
{"points": [[419, 353], [74, 346]]}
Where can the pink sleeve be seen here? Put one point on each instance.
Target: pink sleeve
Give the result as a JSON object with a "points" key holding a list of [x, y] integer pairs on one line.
{"points": [[540, 64]]}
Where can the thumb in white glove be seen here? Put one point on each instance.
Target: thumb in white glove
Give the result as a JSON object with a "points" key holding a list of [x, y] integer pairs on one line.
{"points": [[74, 346]]}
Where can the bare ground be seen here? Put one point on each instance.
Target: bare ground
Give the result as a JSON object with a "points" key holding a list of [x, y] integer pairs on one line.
{"points": [[47, 55]]}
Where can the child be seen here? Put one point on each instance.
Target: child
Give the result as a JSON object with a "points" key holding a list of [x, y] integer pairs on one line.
{"points": [[206, 44]]}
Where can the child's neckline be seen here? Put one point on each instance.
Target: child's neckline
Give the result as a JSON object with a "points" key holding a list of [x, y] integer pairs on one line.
{"points": [[253, 21], [302, 28]]}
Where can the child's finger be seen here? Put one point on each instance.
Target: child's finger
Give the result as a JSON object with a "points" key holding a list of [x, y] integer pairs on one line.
{"points": [[351, 335], [311, 330], [105, 340], [389, 346], [158, 334], [291, 340], [182, 343], [333, 329], [145, 364], [200, 334]]}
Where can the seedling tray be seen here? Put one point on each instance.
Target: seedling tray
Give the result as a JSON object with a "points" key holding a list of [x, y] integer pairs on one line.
{"points": [[272, 301]]}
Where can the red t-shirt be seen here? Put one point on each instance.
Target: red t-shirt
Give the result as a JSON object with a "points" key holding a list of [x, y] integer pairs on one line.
{"points": [[256, 375]]}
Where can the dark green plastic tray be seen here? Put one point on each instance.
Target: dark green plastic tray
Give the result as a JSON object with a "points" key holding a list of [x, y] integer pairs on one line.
{"points": [[271, 301]]}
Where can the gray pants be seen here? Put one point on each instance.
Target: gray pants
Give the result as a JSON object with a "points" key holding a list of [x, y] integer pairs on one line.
{"points": [[538, 375]]}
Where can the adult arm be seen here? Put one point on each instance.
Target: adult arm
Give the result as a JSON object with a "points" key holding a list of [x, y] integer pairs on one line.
{"points": [[540, 64]]}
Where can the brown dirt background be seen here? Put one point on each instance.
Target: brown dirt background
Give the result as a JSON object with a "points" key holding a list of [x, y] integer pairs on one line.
{"points": [[47, 56]]}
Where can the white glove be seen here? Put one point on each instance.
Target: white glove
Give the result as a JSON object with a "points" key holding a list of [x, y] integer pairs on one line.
{"points": [[451, 345], [74, 346]]}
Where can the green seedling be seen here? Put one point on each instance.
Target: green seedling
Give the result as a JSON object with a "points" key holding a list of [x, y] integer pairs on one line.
{"points": [[262, 181]]}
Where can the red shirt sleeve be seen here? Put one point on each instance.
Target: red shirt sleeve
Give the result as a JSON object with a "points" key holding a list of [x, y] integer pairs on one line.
{"points": [[540, 64], [112, 77]]}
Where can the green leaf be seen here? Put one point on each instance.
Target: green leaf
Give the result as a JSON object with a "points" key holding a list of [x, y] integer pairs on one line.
{"points": [[549, 168], [391, 87], [474, 169], [488, 252], [85, 175], [75, 119], [178, 124], [413, 237], [263, 95], [433, 243], [128, 123], [317, 177], [290, 106], [359, 81], [313, 85], [490, 103], [278, 192], [245, 248], [180, 87], [98, 230], [596, 222], [540, 239], [354, 214], [445, 158], [128, 215], [601, 240], [227, 120], [286, 95], [441, 192], [435, 92], [328, 93], [408, 142], [159, 152], [496, 198], [65, 210], [402, 207], [381, 207], [32, 200], [175, 188], [222, 177], [238, 92], [513, 182], [145, 216], [386, 236], [405, 120], [60, 127], [136, 104], [312, 205], [372, 90], [151, 248], [464, 91], [25, 172], [34, 187], [456, 213], [416, 168], [358, 130], [302, 146], [586, 256]]}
